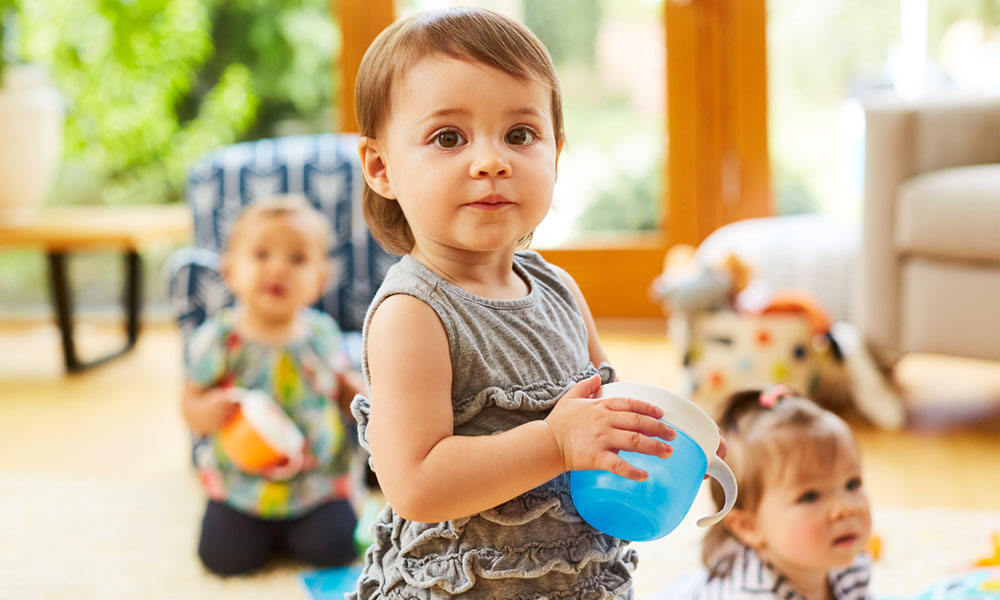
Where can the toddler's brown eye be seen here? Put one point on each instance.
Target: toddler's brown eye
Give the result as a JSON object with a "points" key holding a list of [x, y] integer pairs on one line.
{"points": [[520, 136], [448, 139]]}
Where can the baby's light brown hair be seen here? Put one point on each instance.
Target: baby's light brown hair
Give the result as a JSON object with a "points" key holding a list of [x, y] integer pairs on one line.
{"points": [[285, 205], [467, 34], [794, 437]]}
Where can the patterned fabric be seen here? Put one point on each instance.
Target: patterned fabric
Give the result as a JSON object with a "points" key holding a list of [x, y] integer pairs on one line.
{"points": [[751, 578], [511, 362], [301, 378], [325, 169]]}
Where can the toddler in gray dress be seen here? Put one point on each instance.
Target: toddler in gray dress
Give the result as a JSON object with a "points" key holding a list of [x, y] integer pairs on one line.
{"points": [[481, 360]]}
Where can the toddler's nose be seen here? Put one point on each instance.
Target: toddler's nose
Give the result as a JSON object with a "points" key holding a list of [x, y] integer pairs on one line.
{"points": [[490, 162], [845, 507]]}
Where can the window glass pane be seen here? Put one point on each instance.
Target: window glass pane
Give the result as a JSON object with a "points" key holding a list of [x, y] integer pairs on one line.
{"points": [[826, 57], [609, 55], [964, 45], [820, 54]]}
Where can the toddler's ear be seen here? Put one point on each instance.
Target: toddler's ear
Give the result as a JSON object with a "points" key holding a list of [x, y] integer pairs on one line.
{"points": [[744, 526], [374, 167]]}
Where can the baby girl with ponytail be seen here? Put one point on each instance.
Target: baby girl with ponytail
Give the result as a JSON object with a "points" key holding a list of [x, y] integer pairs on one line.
{"points": [[802, 520]]}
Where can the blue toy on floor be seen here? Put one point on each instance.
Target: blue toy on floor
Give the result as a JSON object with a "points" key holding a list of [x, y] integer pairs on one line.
{"points": [[332, 583], [978, 584]]}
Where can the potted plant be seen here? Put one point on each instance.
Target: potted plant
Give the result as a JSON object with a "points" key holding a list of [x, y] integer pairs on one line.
{"points": [[31, 126]]}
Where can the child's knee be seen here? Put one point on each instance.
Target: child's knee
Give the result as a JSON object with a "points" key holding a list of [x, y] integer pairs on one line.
{"points": [[231, 560], [322, 551]]}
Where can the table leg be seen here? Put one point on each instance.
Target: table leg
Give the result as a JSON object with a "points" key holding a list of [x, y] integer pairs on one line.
{"points": [[62, 302], [132, 295]]}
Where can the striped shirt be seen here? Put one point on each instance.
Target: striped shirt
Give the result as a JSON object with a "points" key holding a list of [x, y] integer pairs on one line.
{"points": [[753, 579]]}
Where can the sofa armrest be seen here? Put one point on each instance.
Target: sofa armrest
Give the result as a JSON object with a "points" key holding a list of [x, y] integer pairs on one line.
{"points": [[888, 162], [195, 287]]}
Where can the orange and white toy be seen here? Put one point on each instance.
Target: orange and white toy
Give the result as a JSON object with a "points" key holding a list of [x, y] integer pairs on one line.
{"points": [[262, 438]]}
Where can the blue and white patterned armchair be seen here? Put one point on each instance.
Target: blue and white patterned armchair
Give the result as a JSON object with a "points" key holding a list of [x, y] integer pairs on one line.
{"points": [[325, 169]]}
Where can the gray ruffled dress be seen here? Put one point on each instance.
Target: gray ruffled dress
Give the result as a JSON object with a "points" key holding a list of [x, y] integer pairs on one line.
{"points": [[511, 362]]}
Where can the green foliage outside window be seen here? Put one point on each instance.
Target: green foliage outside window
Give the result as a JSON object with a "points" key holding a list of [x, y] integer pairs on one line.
{"points": [[152, 85], [568, 28]]}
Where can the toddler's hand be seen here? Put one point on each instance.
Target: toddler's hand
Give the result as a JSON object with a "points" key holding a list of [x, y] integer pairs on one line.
{"points": [[590, 432], [211, 409], [289, 467]]}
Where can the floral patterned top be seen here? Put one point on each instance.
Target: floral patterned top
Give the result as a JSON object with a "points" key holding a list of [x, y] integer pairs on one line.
{"points": [[301, 377]]}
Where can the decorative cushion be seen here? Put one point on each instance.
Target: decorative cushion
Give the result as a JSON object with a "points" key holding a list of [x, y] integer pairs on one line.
{"points": [[951, 213], [195, 287], [813, 253]]}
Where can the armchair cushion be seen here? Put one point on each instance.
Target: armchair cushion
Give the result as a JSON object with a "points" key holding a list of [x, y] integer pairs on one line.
{"points": [[952, 213]]}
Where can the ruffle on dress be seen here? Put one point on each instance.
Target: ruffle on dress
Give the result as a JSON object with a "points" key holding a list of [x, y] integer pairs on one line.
{"points": [[596, 567]]}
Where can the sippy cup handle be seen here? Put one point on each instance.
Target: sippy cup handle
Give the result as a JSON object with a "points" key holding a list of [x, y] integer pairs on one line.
{"points": [[720, 471]]}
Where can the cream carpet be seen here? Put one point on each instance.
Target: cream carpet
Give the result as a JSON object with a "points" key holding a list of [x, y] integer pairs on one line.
{"points": [[74, 537]]}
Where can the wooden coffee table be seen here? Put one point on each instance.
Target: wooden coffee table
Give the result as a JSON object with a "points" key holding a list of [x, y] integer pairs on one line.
{"points": [[60, 231]]}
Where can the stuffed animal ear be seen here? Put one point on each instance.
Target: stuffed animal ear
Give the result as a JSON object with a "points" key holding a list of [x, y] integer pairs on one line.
{"points": [[679, 256], [740, 272]]}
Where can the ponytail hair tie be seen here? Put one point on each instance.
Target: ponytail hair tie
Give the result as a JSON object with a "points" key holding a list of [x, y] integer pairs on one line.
{"points": [[770, 396]]}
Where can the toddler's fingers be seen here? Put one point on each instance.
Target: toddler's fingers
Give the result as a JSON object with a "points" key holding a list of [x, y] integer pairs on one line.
{"points": [[632, 441], [610, 461], [625, 404], [723, 448], [629, 422], [585, 388]]}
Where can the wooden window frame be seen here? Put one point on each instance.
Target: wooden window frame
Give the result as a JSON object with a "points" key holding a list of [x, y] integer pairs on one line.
{"points": [[716, 165]]}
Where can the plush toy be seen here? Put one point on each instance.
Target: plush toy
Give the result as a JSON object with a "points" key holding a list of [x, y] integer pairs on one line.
{"points": [[994, 560], [738, 333], [688, 286]]}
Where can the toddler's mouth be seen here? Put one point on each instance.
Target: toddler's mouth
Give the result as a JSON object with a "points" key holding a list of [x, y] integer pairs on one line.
{"points": [[491, 202], [845, 540], [275, 289]]}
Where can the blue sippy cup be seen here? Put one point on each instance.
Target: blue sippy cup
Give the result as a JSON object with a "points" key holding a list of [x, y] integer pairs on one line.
{"points": [[640, 511]]}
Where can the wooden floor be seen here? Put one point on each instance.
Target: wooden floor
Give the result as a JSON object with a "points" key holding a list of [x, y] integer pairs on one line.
{"points": [[122, 419]]}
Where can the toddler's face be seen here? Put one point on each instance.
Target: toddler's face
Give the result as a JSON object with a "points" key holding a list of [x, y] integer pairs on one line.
{"points": [[818, 521], [469, 153], [276, 266]]}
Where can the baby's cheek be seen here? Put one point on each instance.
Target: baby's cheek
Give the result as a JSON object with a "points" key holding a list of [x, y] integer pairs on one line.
{"points": [[805, 538]]}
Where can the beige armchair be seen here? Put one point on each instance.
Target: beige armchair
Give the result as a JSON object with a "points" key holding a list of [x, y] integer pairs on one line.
{"points": [[930, 258]]}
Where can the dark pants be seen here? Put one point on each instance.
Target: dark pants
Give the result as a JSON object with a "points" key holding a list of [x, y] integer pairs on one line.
{"points": [[233, 542]]}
